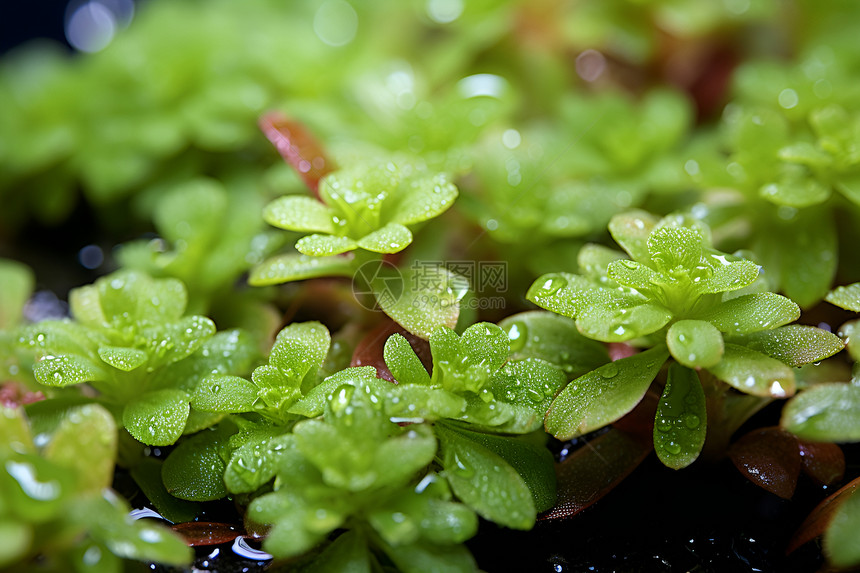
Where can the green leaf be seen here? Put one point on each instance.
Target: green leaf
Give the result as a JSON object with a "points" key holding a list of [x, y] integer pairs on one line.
{"points": [[16, 285], [418, 302], [194, 470], [85, 443], [254, 463], [675, 247], [325, 245], [805, 153], [594, 260], [824, 413], [695, 343], [93, 557], [34, 489], [484, 481], [347, 554], [680, 423], [621, 320], [67, 370], [220, 393], [751, 313], [754, 373], [176, 340], [130, 296], [840, 538], [795, 191], [297, 213], [801, 254], [19, 537], [422, 557], [392, 238], [313, 403], [529, 387], [603, 395], [729, 276], [147, 475], [300, 348], [403, 363], [553, 338], [291, 267], [129, 539], [794, 344], [631, 273], [558, 292], [847, 297], [125, 359], [187, 212], [15, 432], [531, 460], [55, 337], [849, 185], [423, 199], [631, 231], [416, 403], [157, 418]]}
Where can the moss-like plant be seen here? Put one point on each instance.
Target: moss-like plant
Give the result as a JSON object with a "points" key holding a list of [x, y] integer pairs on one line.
{"points": [[367, 212], [130, 342], [684, 300]]}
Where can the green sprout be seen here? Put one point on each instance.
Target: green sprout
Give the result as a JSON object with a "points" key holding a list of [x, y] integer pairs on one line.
{"points": [[685, 300], [365, 213], [355, 469], [130, 342], [246, 454]]}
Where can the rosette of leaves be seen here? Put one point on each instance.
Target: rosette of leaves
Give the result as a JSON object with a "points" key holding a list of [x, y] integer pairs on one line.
{"points": [[617, 157], [242, 456], [363, 213], [789, 148], [208, 238], [686, 301], [56, 509], [487, 413], [130, 342], [355, 469]]}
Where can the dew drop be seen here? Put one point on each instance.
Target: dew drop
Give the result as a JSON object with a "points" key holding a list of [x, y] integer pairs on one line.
{"points": [[518, 335], [609, 370], [692, 421], [673, 448], [554, 284]]}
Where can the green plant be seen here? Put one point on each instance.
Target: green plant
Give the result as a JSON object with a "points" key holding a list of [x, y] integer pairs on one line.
{"points": [[57, 501], [684, 300], [130, 342], [365, 212], [459, 138]]}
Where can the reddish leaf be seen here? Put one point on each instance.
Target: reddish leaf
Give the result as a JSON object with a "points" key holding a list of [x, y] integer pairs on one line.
{"points": [[13, 395], [596, 468], [770, 458], [593, 471], [369, 352], [819, 519], [298, 147], [619, 350], [823, 462], [197, 533]]}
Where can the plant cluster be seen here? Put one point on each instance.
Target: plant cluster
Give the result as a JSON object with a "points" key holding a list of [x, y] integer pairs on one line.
{"points": [[312, 341]]}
